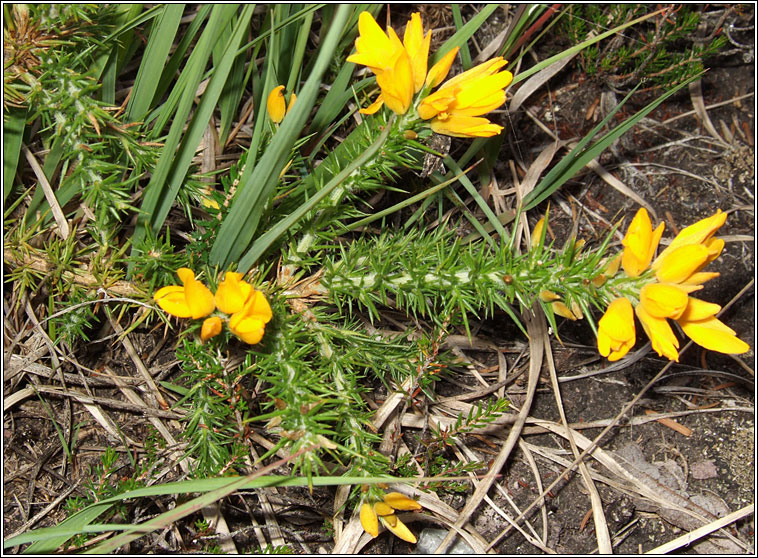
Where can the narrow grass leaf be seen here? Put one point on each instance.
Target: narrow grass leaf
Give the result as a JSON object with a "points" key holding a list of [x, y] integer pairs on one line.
{"points": [[265, 241], [162, 37], [579, 157], [240, 225], [14, 123], [464, 33]]}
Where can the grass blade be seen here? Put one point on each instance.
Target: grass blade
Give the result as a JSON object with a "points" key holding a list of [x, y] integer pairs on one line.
{"points": [[162, 35], [579, 156], [240, 225], [14, 123]]}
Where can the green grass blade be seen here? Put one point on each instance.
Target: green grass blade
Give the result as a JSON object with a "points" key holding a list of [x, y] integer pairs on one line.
{"points": [[464, 33], [458, 21], [240, 225], [265, 241], [162, 36], [481, 202], [14, 123], [180, 147], [576, 48], [579, 156]]}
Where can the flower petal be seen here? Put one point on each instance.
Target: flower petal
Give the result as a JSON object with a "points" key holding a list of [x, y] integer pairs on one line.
{"points": [[697, 233], [171, 299], [660, 334], [400, 530], [211, 328], [677, 266], [616, 334], [369, 521], [710, 334], [439, 71], [663, 300], [275, 105], [417, 46], [465, 127], [401, 501], [232, 293]]}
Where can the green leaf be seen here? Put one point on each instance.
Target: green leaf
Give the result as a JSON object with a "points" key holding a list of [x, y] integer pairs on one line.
{"points": [[579, 156], [464, 33], [174, 162], [14, 123], [266, 240], [162, 36], [240, 225]]}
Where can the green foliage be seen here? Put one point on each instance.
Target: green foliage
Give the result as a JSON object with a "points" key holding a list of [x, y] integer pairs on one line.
{"points": [[663, 50]]}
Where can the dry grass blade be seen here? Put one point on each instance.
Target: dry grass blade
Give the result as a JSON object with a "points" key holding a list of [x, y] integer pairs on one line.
{"points": [[537, 81], [598, 516], [692, 536], [537, 329], [60, 218], [696, 94]]}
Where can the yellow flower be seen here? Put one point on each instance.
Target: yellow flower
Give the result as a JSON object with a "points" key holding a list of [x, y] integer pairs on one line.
{"points": [[193, 300], [275, 105], [211, 327], [677, 270], [700, 324], [250, 322], [699, 233], [232, 293], [389, 59], [455, 109], [640, 243], [660, 334], [384, 511], [616, 335]]}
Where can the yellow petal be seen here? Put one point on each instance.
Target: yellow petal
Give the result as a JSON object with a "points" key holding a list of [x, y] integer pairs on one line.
{"points": [[678, 265], [697, 233], [400, 530], [373, 107], [397, 84], [293, 98], [659, 332], [232, 293], [171, 299], [401, 501], [383, 509], [439, 71], [699, 310], [185, 274], [616, 334], [369, 521], [211, 328], [199, 299], [714, 335], [663, 300], [640, 243], [435, 103], [417, 47], [700, 277], [466, 126], [275, 104]]}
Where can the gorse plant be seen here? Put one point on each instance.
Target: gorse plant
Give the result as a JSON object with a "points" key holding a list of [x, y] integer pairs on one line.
{"points": [[276, 288]]}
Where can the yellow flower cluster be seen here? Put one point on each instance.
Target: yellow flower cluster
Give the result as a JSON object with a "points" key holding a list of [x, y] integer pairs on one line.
{"points": [[455, 109], [372, 513], [677, 273], [247, 309]]}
